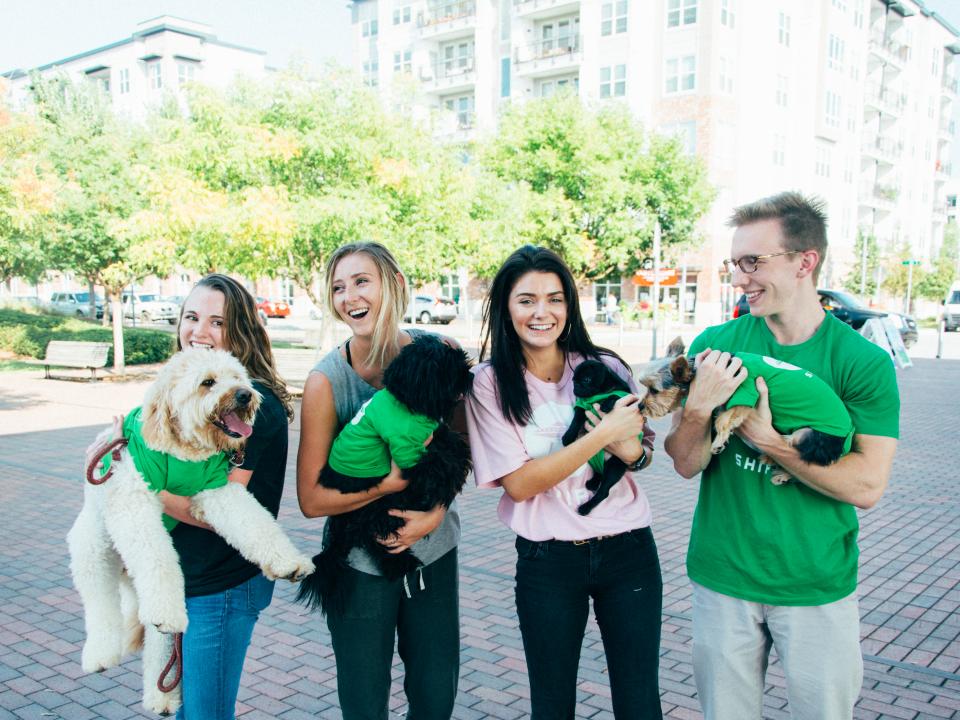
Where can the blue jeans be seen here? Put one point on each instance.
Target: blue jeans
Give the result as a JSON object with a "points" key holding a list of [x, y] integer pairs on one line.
{"points": [[219, 628], [555, 583]]}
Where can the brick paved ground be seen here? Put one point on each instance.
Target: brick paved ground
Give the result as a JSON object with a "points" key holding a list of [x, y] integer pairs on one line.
{"points": [[910, 592]]}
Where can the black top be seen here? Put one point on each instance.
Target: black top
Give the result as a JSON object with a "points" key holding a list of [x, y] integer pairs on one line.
{"points": [[209, 564]]}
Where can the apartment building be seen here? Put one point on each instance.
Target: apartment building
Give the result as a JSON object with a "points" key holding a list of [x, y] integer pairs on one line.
{"points": [[852, 100], [159, 58]]}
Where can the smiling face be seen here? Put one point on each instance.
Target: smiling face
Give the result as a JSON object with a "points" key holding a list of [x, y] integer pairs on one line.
{"points": [[538, 310], [356, 292], [773, 287], [203, 319]]}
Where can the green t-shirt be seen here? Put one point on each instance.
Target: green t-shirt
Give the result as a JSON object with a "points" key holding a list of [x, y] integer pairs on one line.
{"points": [[382, 429], [788, 544], [165, 472], [587, 403], [797, 397]]}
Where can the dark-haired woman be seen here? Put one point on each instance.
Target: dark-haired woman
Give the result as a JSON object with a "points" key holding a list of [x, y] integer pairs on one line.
{"points": [[225, 593], [521, 405]]}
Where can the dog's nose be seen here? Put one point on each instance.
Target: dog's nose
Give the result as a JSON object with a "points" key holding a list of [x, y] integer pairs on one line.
{"points": [[243, 397]]}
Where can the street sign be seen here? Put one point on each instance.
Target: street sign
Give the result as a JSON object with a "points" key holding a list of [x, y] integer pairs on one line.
{"points": [[646, 278], [910, 262]]}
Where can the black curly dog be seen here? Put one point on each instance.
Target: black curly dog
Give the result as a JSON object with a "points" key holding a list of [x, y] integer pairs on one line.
{"points": [[429, 378], [592, 378]]}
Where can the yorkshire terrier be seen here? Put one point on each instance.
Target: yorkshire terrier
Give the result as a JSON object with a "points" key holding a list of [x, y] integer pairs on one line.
{"points": [[422, 386]]}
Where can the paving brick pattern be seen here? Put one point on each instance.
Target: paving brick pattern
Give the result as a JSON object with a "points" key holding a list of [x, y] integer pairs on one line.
{"points": [[910, 592]]}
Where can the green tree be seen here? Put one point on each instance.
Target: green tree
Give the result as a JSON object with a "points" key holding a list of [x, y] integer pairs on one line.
{"points": [[936, 283], [852, 282]]}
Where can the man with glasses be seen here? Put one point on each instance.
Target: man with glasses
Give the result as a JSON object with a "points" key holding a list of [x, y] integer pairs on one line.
{"points": [[777, 565]]}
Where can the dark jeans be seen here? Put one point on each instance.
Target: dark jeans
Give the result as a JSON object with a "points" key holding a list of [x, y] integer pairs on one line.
{"points": [[427, 628], [555, 581]]}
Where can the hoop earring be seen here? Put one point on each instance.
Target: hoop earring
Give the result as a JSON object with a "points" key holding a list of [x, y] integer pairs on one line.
{"points": [[565, 334]]}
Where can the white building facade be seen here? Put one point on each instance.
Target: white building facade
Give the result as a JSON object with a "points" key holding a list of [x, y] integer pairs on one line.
{"points": [[851, 100]]}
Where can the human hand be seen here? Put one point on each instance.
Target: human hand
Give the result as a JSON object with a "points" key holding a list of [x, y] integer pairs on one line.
{"points": [[757, 429], [719, 374], [627, 449], [623, 422], [394, 482], [101, 441], [417, 525]]}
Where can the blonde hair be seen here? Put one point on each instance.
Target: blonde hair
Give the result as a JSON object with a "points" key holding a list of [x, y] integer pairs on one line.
{"points": [[244, 337], [394, 298]]}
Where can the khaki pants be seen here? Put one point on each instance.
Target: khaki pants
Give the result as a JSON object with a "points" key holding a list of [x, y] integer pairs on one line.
{"points": [[818, 646]]}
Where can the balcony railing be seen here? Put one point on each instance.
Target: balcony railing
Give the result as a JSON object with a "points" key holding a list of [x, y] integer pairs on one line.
{"points": [[885, 98], [950, 84], [889, 49], [553, 48], [445, 12], [528, 6], [948, 128], [886, 192], [883, 148], [449, 74]]}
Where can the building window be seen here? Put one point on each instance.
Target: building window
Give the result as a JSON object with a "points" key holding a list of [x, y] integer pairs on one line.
{"points": [[681, 74], [369, 28], [155, 73], [613, 17], [779, 150], [681, 12], [124, 83], [403, 61], [781, 96], [726, 76], [505, 77], [463, 107], [457, 57], [685, 133], [613, 81], [186, 72], [852, 117], [840, 5], [102, 80], [835, 53], [371, 72], [727, 16], [821, 165], [935, 65], [401, 15], [561, 35], [832, 109], [550, 86], [854, 65], [783, 34]]}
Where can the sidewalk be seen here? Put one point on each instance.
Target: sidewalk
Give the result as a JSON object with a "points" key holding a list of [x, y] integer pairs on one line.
{"points": [[909, 589]]}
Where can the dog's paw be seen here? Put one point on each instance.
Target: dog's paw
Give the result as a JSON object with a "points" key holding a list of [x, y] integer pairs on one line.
{"points": [[167, 620], [99, 656], [593, 483], [293, 569], [161, 703], [781, 477], [718, 446]]}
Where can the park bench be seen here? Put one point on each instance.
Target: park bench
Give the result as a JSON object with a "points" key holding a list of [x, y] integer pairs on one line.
{"points": [[75, 354]]}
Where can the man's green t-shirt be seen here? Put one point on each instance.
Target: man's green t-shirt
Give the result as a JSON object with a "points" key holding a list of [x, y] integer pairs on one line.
{"points": [[788, 544], [382, 429], [797, 397], [165, 472]]}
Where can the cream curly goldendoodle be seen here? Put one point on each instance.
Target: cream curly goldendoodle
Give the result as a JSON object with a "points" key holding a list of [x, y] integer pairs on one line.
{"points": [[121, 555]]}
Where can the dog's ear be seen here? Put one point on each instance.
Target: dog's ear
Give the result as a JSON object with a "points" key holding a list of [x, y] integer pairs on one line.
{"points": [[682, 370], [676, 347], [161, 426]]}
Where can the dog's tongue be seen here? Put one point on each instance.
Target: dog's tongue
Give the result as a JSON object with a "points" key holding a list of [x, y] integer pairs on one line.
{"points": [[232, 421]]}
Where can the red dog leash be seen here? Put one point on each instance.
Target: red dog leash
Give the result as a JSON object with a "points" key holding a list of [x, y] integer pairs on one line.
{"points": [[176, 658], [99, 455]]}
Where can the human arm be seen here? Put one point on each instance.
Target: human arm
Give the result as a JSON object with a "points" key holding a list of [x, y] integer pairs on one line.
{"points": [[859, 478], [539, 474], [417, 525], [688, 443], [318, 428]]}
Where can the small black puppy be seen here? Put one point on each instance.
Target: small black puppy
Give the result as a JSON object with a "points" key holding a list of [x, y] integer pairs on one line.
{"points": [[595, 383], [422, 386]]}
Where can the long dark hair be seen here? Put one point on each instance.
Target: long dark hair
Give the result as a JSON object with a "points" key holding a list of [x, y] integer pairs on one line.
{"points": [[244, 336], [500, 337]]}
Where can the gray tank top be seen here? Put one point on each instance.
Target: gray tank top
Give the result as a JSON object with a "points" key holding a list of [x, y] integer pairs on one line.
{"points": [[350, 391]]}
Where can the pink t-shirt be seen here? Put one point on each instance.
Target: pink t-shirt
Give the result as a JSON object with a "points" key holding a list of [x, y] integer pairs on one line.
{"points": [[499, 447]]}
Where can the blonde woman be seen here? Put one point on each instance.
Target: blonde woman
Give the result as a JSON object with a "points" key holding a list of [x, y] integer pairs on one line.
{"points": [[367, 291]]}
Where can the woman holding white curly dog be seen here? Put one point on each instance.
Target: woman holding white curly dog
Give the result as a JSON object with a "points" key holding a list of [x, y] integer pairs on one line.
{"points": [[225, 593], [521, 405], [367, 291]]}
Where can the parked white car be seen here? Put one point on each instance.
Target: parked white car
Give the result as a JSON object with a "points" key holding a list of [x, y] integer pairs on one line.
{"points": [[150, 308], [951, 309], [75, 303], [431, 309]]}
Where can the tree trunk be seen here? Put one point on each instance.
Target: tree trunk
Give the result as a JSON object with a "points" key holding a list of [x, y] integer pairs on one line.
{"points": [[116, 311]]}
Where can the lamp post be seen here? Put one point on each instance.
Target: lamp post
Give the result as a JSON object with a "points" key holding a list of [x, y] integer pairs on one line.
{"points": [[656, 287], [909, 264]]}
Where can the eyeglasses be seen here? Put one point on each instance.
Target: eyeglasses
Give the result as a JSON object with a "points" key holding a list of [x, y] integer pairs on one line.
{"points": [[750, 263]]}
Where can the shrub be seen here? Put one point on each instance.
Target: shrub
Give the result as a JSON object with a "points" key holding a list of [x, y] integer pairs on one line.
{"points": [[27, 333]]}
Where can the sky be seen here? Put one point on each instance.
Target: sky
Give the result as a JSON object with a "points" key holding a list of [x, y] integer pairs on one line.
{"points": [[43, 31]]}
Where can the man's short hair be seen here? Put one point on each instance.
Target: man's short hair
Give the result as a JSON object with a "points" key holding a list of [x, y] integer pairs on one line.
{"points": [[803, 220]]}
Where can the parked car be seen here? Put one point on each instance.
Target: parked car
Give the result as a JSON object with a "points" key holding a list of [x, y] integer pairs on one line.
{"points": [[149, 308], [431, 309], [273, 308], [951, 309], [76, 303], [907, 327], [742, 307]]}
